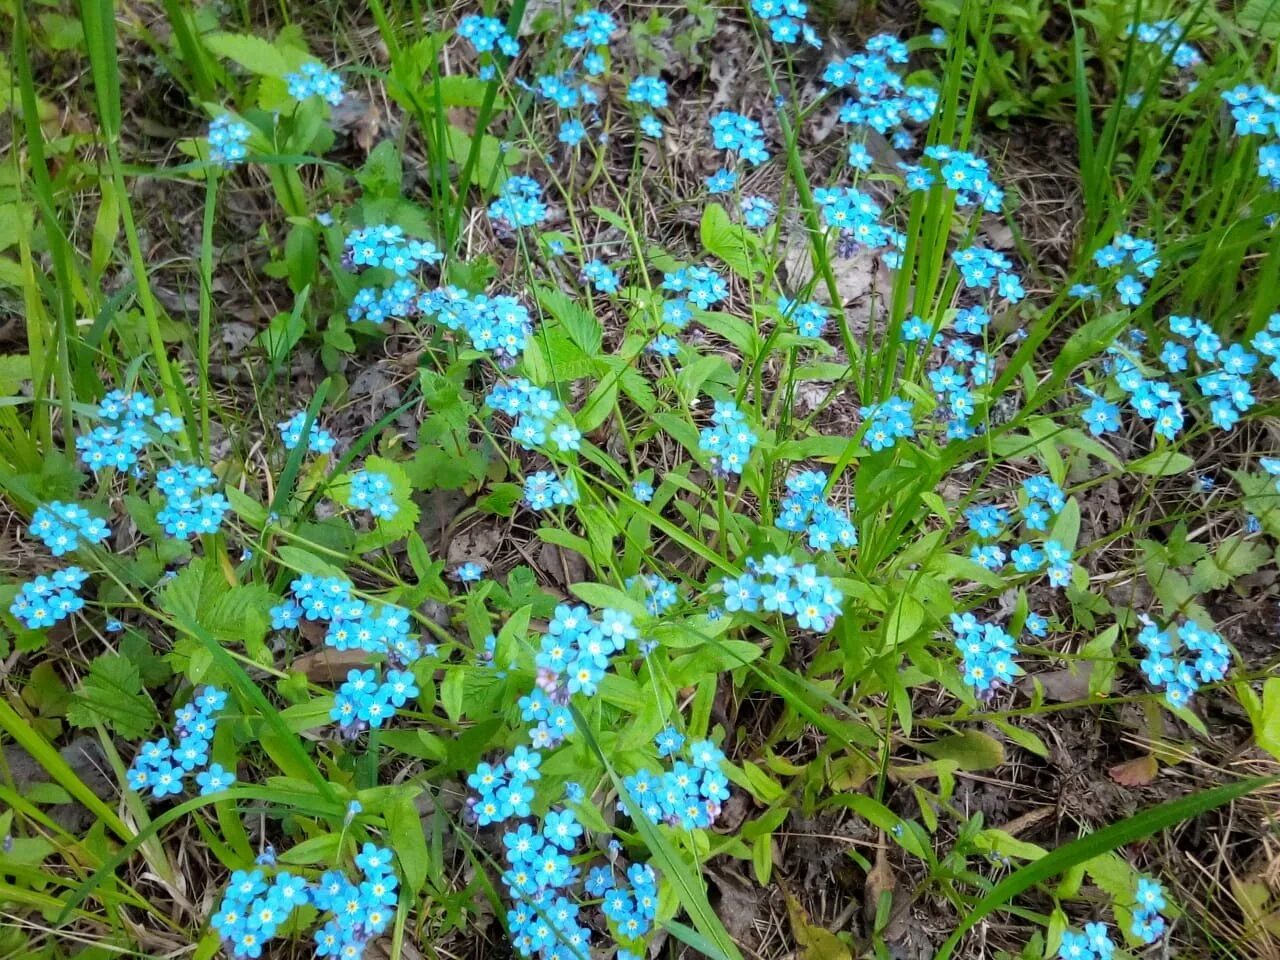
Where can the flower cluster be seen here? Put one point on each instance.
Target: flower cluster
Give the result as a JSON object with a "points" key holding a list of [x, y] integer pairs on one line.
{"points": [[366, 701], [485, 34], [381, 629], [315, 80], [519, 204], [968, 176], [386, 246], [857, 217], [695, 286], [985, 269], [660, 594], [373, 492], [987, 653], [776, 584], [318, 440], [805, 508], [227, 138], [1094, 943], [594, 28], [688, 795], [59, 526], [1128, 255], [187, 511], [739, 135], [120, 441], [810, 319], [1168, 35], [498, 325], [253, 911], [729, 441], [46, 601], [1180, 676], [881, 100], [757, 212], [542, 877], [786, 21], [600, 275], [1256, 111], [888, 422], [1148, 923], [544, 490], [161, 767], [1267, 343], [535, 409]]}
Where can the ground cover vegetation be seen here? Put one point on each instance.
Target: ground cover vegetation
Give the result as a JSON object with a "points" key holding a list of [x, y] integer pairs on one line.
{"points": [[547, 480]]}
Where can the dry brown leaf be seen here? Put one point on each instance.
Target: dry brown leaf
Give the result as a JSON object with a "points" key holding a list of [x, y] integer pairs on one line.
{"points": [[327, 665], [1135, 773]]}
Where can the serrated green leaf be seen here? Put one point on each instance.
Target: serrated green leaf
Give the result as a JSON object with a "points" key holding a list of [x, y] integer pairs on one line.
{"points": [[111, 694], [254, 53]]}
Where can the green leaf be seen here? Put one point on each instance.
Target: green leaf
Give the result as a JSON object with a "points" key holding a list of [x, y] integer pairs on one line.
{"points": [[1090, 340], [1235, 557], [254, 53], [581, 325], [1266, 722], [1162, 463], [903, 622], [1091, 845], [111, 694], [602, 596], [727, 240], [388, 531], [408, 839], [971, 750]]}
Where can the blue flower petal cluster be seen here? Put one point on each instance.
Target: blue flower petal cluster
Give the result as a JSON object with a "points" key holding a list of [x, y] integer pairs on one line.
{"points": [[1256, 112], [660, 593], [1168, 35], [487, 33], [519, 204], [601, 276], [121, 439], [386, 246], [1148, 923], [187, 511], [692, 287], [46, 601], [987, 653], [968, 176], [544, 490], [739, 135], [499, 325], [318, 440], [1094, 943], [161, 767], [594, 29], [315, 80], [809, 318], [757, 212], [786, 21], [988, 270], [888, 422], [373, 492], [689, 794], [60, 527], [1203, 658], [805, 508], [227, 138], [776, 584], [881, 98], [1128, 255], [729, 441]]}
